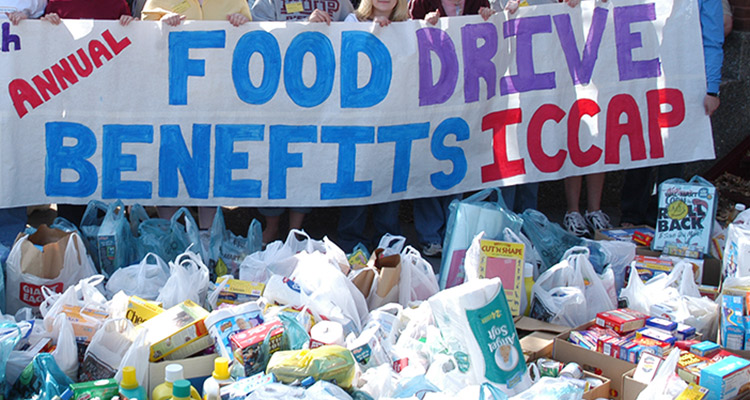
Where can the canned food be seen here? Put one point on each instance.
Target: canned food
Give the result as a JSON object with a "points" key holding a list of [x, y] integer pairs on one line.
{"points": [[550, 368], [572, 370]]}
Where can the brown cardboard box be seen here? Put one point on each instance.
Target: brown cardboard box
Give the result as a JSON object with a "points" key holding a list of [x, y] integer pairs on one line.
{"points": [[631, 388], [194, 369], [589, 360], [537, 336], [600, 392]]}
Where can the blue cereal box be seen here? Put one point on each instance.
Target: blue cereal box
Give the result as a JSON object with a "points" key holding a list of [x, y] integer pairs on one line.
{"points": [[667, 326], [732, 322], [685, 215], [726, 378]]}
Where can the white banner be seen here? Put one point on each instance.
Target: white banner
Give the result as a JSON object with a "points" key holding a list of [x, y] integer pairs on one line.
{"points": [[297, 114]]}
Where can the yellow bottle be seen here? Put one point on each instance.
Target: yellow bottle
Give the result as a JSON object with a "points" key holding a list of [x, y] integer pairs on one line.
{"points": [[528, 283], [172, 374], [220, 378], [181, 390]]}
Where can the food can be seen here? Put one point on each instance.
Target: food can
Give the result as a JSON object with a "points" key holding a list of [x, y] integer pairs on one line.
{"points": [[572, 370], [550, 368]]}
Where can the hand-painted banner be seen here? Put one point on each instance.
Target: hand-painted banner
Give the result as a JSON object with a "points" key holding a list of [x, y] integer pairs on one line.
{"points": [[296, 114]]}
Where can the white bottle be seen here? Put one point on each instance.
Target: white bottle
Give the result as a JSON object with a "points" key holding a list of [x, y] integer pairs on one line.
{"points": [[738, 209], [220, 378]]}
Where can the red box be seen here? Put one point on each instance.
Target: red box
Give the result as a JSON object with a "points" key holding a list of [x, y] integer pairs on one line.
{"points": [[246, 344], [622, 320]]}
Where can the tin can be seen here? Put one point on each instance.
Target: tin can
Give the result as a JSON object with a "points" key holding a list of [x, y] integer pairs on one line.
{"points": [[572, 370], [550, 368]]}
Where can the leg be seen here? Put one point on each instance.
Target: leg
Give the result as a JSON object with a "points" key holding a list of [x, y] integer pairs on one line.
{"points": [[166, 212], [385, 219], [573, 193], [351, 227], [206, 217], [594, 188], [526, 197], [297, 217], [272, 216], [634, 196]]}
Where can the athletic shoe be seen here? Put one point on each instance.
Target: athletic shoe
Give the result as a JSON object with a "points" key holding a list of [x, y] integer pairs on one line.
{"points": [[598, 220], [432, 249], [575, 224]]}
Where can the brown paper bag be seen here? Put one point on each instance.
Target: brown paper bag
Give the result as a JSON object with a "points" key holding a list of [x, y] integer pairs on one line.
{"points": [[48, 262]]}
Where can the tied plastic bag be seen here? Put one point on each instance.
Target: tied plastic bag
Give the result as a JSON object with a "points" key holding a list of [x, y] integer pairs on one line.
{"points": [[42, 379], [83, 294], [169, 238], [570, 293], [188, 280], [467, 218], [62, 263], [666, 384], [226, 250], [143, 279], [92, 219], [114, 241], [137, 357], [10, 334], [137, 215], [66, 348], [278, 257], [330, 362], [107, 348], [423, 282]]}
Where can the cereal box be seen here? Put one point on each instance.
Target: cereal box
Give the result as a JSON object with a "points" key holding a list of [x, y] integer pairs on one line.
{"points": [[140, 310], [175, 329], [685, 214], [246, 345], [238, 292]]}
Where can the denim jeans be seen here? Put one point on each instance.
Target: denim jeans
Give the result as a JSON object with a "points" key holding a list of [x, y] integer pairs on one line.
{"points": [[12, 222], [431, 218], [520, 197], [353, 224]]}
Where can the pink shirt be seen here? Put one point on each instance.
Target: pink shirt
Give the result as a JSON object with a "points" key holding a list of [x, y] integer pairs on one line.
{"points": [[452, 8]]}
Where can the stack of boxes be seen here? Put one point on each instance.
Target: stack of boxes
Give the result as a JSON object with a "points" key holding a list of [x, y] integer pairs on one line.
{"points": [[735, 321]]}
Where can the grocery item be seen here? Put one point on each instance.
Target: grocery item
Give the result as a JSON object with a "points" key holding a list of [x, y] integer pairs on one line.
{"points": [[248, 349], [129, 387], [178, 332], [103, 389], [220, 378], [323, 363], [181, 390], [223, 323], [172, 374]]}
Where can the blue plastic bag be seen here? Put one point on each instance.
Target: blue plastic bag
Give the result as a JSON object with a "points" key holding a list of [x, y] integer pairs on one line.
{"points": [[10, 334], [114, 240], [551, 241], [227, 250], [169, 238], [468, 218], [136, 216], [90, 222], [41, 380]]}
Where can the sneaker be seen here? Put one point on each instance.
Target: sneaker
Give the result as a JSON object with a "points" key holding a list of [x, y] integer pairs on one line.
{"points": [[598, 220], [432, 249], [575, 224]]}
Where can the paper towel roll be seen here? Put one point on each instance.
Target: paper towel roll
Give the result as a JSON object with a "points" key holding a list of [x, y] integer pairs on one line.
{"points": [[326, 332], [283, 291]]}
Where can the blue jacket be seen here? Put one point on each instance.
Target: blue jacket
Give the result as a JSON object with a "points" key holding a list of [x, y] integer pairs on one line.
{"points": [[712, 26]]}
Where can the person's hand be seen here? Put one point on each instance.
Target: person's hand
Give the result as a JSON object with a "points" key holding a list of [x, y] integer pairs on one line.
{"points": [[512, 7], [320, 16], [572, 3], [486, 12], [126, 19], [382, 21], [432, 17], [237, 19], [172, 19], [17, 16], [710, 103], [52, 18]]}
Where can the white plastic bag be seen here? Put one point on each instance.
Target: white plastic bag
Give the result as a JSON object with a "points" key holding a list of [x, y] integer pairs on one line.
{"points": [[188, 280], [84, 294], [143, 279], [278, 257], [137, 357], [422, 283], [66, 352], [666, 384], [24, 290], [107, 348]]}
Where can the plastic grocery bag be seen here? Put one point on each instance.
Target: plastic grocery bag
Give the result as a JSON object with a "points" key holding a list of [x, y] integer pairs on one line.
{"points": [[666, 384], [467, 218], [137, 356], [114, 240], [329, 362], [107, 348], [570, 293], [10, 334], [422, 281], [169, 238], [66, 348], [549, 239], [188, 279], [42, 379], [136, 216], [143, 279], [92, 219], [63, 251], [83, 294], [736, 260], [226, 250]]}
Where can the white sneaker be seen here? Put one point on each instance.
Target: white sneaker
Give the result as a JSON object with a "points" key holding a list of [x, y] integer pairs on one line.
{"points": [[598, 220], [575, 224], [432, 249]]}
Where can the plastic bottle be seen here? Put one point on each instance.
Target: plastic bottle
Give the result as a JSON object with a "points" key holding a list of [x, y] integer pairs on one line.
{"points": [[738, 208], [129, 387], [221, 377], [181, 390], [172, 374], [528, 282]]}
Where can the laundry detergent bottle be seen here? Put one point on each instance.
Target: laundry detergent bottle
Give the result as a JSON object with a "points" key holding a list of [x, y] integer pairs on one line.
{"points": [[181, 390], [220, 378], [172, 374], [129, 387]]}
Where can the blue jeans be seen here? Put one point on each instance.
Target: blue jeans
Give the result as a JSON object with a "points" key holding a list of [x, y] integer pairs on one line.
{"points": [[520, 197], [12, 222], [431, 218], [353, 220]]}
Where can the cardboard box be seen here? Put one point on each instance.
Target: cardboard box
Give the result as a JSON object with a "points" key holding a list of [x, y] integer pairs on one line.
{"points": [[600, 392], [194, 369], [239, 292], [726, 378], [685, 214], [181, 328], [631, 388], [140, 310], [85, 321], [592, 361], [623, 234]]}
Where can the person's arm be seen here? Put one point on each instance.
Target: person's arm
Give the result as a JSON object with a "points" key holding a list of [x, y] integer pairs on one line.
{"points": [[712, 27], [264, 10], [154, 11], [36, 8]]}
